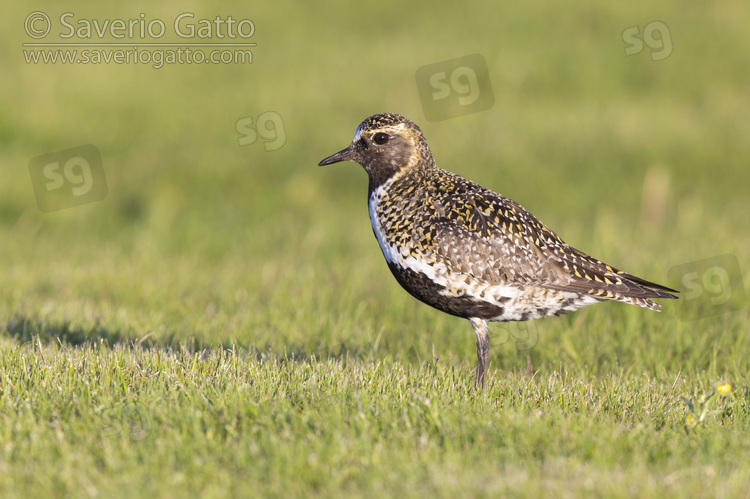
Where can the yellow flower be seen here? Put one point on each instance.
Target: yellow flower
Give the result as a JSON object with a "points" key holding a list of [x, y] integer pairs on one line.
{"points": [[690, 422], [723, 388]]}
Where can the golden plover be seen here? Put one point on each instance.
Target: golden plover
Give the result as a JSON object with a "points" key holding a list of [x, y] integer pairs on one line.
{"points": [[467, 250]]}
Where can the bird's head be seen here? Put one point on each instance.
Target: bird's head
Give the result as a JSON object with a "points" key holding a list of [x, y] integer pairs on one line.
{"points": [[385, 144]]}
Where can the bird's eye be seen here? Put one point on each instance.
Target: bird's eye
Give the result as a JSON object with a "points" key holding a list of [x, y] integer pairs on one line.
{"points": [[380, 138]]}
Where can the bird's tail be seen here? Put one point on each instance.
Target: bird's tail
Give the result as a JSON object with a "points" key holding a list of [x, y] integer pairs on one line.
{"points": [[642, 290]]}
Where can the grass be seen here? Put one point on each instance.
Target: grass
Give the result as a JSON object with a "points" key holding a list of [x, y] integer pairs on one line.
{"points": [[223, 324], [127, 420]]}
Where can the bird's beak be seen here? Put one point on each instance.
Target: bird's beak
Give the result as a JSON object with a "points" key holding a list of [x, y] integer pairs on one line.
{"points": [[343, 155]]}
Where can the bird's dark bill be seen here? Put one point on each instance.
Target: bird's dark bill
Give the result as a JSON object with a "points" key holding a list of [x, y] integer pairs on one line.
{"points": [[342, 155]]}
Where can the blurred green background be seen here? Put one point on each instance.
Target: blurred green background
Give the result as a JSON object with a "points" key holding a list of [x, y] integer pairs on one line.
{"points": [[203, 239]]}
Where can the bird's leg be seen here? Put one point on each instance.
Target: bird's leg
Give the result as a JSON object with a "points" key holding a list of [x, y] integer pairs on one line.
{"points": [[483, 348]]}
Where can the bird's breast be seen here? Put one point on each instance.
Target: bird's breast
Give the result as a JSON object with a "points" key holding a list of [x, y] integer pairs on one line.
{"points": [[385, 223]]}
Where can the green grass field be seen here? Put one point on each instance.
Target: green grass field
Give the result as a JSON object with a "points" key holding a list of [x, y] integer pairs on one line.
{"points": [[222, 322]]}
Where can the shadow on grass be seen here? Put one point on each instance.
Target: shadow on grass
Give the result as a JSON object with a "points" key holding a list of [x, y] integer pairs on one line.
{"points": [[32, 329], [25, 329]]}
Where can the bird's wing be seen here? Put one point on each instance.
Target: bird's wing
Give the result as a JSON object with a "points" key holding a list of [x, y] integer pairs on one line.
{"points": [[495, 239]]}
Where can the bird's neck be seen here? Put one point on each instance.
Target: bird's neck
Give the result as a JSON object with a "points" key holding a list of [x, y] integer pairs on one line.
{"points": [[417, 168]]}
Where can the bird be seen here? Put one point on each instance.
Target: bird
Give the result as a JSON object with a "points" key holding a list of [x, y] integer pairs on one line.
{"points": [[469, 251]]}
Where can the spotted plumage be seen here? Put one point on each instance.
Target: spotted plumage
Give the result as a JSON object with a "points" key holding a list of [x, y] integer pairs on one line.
{"points": [[467, 250]]}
